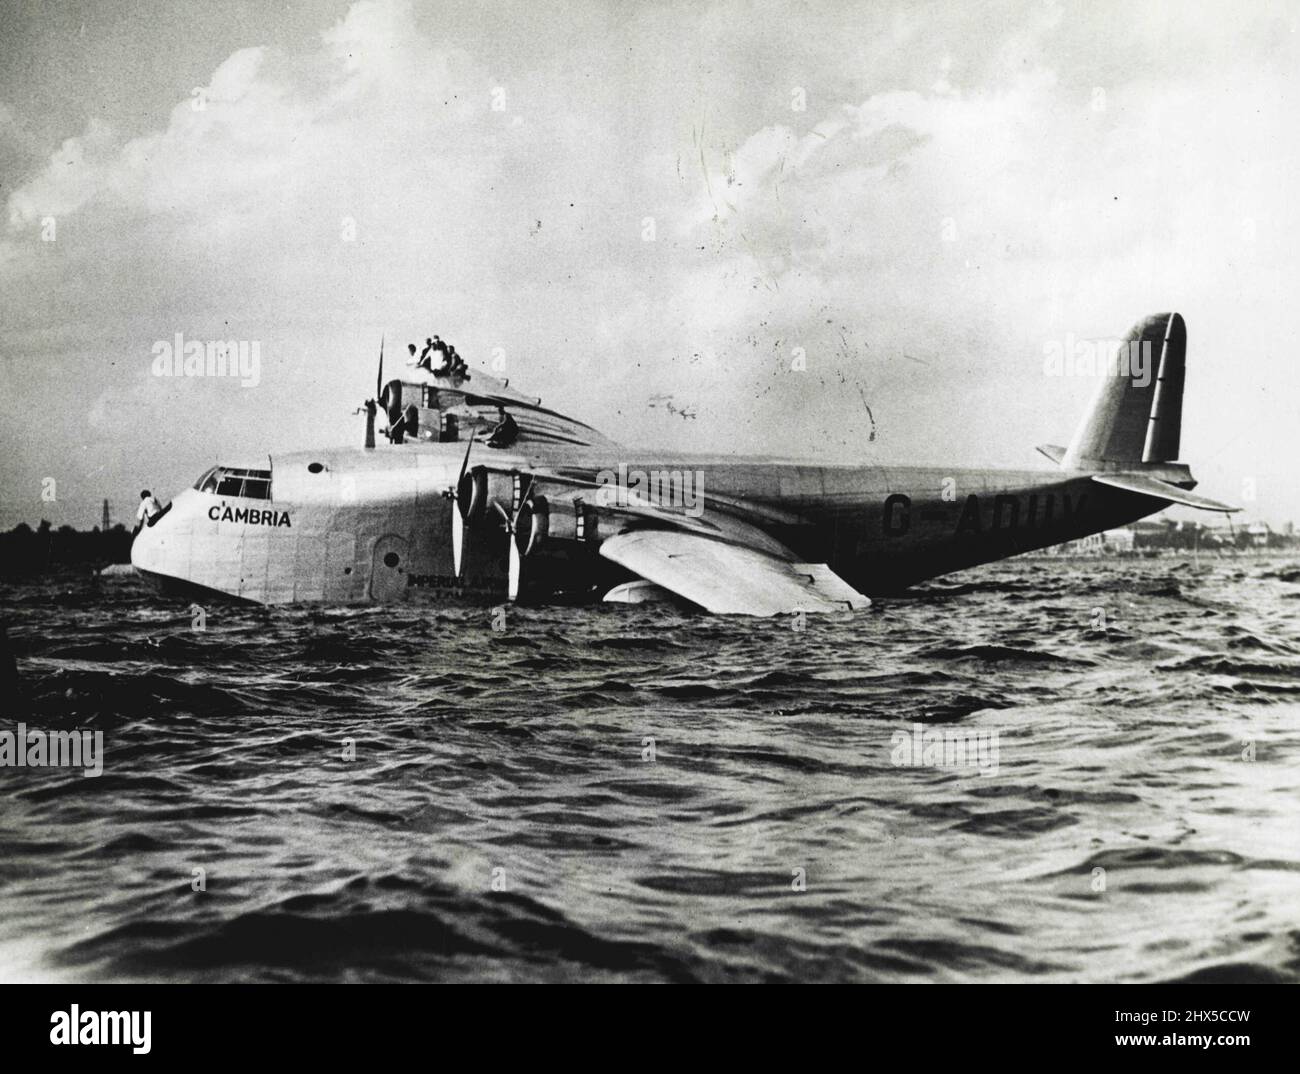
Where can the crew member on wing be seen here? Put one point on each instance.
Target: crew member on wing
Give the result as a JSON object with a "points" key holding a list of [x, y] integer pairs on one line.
{"points": [[454, 366], [411, 360], [506, 431], [148, 510], [444, 368]]}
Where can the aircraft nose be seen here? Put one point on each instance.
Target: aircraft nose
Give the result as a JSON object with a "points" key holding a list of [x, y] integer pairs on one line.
{"points": [[148, 544]]}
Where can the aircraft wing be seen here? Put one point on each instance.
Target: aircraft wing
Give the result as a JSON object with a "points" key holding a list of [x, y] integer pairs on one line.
{"points": [[729, 578], [720, 559], [475, 401], [735, 524], [480, 385], [1151, 486]]}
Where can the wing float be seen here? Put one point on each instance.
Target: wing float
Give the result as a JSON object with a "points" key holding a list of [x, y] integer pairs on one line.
{"points": [[730, 579]]}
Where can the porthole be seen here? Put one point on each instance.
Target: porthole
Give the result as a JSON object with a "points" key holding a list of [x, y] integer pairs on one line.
{"points": [[315, 467], [391, 560]]}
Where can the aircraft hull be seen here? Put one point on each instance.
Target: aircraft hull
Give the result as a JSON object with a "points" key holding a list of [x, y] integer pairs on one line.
{"points": [[375, 526]]}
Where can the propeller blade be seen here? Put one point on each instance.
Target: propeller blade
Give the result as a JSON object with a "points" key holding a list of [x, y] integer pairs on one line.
{"points": [[465, 464], [523, 499], [457, 538], [512, 591], [379, 379], [457, 519]]}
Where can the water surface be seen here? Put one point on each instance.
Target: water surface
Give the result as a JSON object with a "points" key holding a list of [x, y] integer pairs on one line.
{"points": [[647, 794]]}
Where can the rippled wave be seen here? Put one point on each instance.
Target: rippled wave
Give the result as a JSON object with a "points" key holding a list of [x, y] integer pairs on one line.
{"points": [[640, 793]]}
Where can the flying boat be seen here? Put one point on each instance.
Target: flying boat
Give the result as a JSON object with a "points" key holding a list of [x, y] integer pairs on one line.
{"points": [[476, 490]]}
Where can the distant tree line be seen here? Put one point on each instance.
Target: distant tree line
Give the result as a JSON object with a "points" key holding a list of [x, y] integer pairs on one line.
{"points": [[24, 550]]}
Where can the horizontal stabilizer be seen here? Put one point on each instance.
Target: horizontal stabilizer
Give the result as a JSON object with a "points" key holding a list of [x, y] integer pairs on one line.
{"points": [[728, 578], [1150, 486]]}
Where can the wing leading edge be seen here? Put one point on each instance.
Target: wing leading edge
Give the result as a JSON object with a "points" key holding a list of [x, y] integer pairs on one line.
{"points": [[730, 579]]}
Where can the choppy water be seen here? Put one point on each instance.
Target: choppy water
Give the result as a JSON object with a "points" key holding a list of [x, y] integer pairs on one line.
{"points": [[520, 756]]}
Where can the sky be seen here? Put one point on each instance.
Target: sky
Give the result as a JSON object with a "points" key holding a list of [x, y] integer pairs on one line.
{"points": [[834, 230]]}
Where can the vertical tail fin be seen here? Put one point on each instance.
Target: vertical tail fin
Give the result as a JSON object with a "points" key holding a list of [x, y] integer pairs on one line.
{"points": [[1138, 412]]}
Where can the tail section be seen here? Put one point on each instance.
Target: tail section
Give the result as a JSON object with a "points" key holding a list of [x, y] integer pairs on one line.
{"points": [[1130, 438], [1137, 415]]}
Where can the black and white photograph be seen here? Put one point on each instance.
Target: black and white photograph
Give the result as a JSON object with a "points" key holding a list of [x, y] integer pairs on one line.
{"points": [[605, 492]]}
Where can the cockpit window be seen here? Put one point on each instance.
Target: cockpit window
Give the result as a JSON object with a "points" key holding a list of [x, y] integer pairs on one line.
{"points": [[236, 482]]}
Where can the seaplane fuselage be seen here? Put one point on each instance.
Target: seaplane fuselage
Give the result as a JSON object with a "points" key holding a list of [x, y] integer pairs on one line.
{"points": [[561, 512], [352, 525]]}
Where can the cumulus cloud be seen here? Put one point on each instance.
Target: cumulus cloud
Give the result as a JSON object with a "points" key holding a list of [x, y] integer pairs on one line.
{"points": [[948, 201]]}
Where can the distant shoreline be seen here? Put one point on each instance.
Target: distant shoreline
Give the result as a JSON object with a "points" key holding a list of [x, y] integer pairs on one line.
{"points": [[25, 551]]}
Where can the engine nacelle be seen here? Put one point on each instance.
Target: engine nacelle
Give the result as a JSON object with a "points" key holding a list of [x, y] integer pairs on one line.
{"points": [[481, 487], [551, 521]]}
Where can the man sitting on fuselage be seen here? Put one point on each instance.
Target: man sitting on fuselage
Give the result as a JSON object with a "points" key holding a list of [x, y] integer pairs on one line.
{"points": [[506, 431]]}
